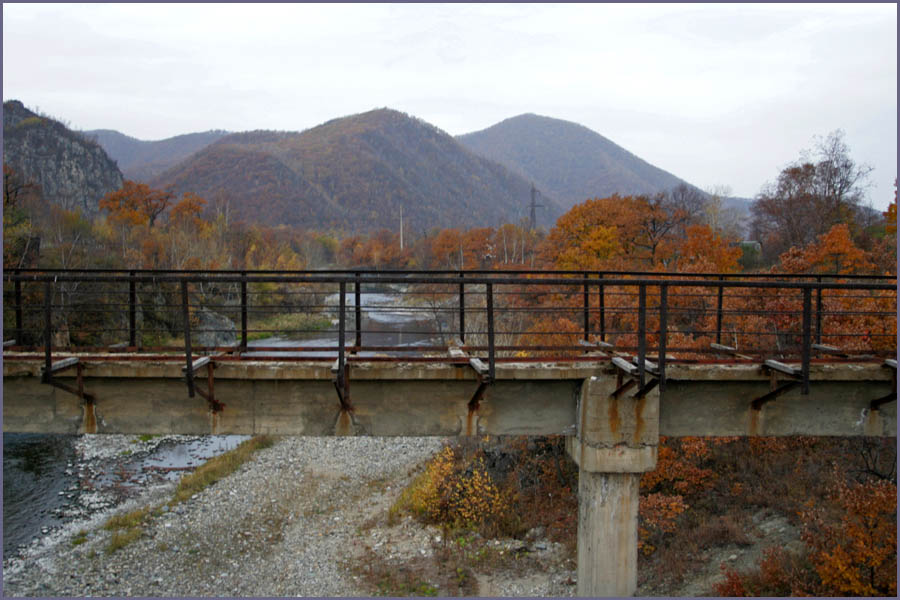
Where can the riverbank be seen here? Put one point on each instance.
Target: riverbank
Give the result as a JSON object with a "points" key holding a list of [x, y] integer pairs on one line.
{"points": [[292, 521], [310, 517]]}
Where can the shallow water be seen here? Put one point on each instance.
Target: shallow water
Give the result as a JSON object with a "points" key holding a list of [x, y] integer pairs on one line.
{"points": [[170, 461], [382, 323], [34, 473], [40, 477]]}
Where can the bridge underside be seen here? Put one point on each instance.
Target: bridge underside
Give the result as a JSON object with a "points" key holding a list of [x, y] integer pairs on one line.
{"points": [[294, 398]]}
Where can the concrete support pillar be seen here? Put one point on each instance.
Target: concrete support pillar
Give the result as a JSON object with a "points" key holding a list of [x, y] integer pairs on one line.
{"points": [[607, 533], [616, 441]]}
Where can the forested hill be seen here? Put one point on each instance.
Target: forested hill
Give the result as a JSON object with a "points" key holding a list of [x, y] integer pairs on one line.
{"points": [[354, 174], [567, 161], [71, 170], [142, 160]]}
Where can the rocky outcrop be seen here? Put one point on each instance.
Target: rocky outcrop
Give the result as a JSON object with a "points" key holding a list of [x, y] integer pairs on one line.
{"points": [[213, 329], [72, 171]]}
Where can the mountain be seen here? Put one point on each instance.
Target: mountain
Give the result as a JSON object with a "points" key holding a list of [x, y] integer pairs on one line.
{"points": [[142, 160], [567, 161], [72, 171], [354, 174]]}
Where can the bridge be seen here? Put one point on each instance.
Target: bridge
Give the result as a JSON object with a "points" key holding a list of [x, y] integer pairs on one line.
{"points": [[612, 360]]}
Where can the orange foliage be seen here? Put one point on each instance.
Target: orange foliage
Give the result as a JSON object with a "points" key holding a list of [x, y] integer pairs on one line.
{"points": [[833, 252], [188, 210], [678, 467], [705, 249], [135, 204], [858, 556], [658, 513]]}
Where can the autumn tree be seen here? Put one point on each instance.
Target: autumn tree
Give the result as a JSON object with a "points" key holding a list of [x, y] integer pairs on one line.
{"points": [[447, 249], [890, 215], [136, 204], [20, 198], [585, 237], [722, 219], [809, 197], [705, 250], [833, 252], [640, 229]]}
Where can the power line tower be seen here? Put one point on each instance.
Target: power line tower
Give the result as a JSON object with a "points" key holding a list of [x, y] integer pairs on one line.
{"points": [[534, 205]]}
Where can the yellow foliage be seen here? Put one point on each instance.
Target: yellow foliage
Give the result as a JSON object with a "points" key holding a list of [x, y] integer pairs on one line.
{"points": [[453, 493]]}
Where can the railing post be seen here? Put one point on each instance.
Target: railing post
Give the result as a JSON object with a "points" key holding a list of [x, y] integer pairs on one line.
{"points": [[462, 307], [132, 310], [719, 313], [819, 311], [805, 351], [490, 322], [48, 331], [642, 331], [602, 307], [18, 300], [358, 311], [663, 332], [185, 314], [587, 308], [243, 311], [342, 331]]}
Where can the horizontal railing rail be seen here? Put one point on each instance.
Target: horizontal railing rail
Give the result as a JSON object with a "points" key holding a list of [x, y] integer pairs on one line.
{"points": [[492, 315]]}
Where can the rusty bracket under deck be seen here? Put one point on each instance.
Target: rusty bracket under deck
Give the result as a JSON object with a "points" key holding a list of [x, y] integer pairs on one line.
{"points": [[624, 367], [773, 368], [210, 393], [482, 374], [341, 381], [89, 400]]}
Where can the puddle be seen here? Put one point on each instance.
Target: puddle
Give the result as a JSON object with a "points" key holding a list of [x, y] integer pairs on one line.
{"points": [[169, 461]]}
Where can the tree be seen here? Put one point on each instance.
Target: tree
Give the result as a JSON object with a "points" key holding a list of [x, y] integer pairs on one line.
{"points": [[136, 204], [809, 197], [890, 215], [587, 236], [20, 244], [703, 249]]}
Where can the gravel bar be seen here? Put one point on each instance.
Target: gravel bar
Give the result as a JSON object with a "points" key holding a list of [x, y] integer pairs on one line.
{"points": [[285, 524]]}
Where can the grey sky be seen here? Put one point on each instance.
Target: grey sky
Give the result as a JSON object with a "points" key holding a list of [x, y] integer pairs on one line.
{"points": [[717, 94]]}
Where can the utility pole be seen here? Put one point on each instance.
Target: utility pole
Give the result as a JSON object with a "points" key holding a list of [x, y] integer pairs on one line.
{"points": [[534, 205], [401, 228]]}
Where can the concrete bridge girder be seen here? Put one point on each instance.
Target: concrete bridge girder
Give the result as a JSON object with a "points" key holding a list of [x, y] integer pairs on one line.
{"points": [[431, 399]]}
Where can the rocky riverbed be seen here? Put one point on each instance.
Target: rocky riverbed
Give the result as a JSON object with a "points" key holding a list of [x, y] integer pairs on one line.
{"points": [[293, 521]]}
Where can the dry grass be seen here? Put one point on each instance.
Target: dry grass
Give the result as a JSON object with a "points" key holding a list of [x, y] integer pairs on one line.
{"points": [[126, 528], [218, 468], [120, 539], [127, 520], [287, 324]]}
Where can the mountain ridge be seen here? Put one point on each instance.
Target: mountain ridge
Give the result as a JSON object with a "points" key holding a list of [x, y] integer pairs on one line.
{"points": [[141, 160], [568, 160], [356, 172]]}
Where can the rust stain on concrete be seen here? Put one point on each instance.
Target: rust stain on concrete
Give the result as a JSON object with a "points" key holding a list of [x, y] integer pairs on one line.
{"points": [[344, 425], [613, 412], [90, 418], [755, 418], [639, 418], [472, 421]]}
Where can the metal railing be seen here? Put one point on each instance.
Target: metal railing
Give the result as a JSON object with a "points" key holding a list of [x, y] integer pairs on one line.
{"points": [[497, 316]]}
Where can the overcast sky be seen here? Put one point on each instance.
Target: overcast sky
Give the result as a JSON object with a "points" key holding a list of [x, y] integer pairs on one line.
{"points": [[717, 94]]}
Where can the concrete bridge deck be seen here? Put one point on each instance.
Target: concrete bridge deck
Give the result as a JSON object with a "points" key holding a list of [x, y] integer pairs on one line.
{"points": [[299, 398]]}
